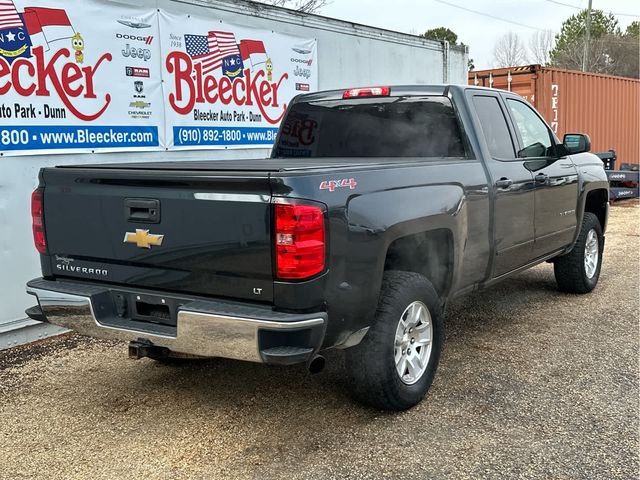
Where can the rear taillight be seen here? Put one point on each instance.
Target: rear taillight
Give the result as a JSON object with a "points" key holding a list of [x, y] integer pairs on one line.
{"points": [[367, 92], [37, 220], [300, 241]]}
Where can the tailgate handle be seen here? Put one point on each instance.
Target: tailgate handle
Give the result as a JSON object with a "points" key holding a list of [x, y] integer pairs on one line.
{"points": [[142, 210]]}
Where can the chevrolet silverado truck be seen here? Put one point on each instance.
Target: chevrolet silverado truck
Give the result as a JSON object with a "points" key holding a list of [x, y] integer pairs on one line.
{"points": [[376, 208]]}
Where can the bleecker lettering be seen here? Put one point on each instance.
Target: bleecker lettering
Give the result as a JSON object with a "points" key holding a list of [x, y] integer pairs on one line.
{"points": [[200, 88], [210, 86], [224, 88], [265, 91], [181, 66], [237, 99], [30, 70], [4, 70], [71, 73], [72, 82]]}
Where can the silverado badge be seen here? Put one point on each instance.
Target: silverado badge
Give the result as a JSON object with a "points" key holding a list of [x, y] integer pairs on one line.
{"points": [[143, 239]]}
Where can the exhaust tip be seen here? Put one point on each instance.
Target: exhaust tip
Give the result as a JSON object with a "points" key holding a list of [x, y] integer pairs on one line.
{"points": [[317, 364]]}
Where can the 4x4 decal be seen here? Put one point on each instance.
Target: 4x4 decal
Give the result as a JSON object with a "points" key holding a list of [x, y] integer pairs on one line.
{"points": [[331, 185]]}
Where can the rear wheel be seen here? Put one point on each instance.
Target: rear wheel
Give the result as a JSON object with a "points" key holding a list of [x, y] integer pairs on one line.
{"points": [[394, 365], [579, 270]]}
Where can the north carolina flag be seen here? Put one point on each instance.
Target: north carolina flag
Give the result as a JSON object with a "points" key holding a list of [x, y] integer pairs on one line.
{"points": [[224, 43], [254, 51], [47, 25], [14, 41]]}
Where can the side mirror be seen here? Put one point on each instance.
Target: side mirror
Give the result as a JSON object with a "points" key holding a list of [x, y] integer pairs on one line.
{"points": [[576, 142]]}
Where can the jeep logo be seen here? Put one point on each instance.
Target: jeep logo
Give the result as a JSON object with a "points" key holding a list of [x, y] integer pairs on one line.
{"points": [[143, 53]]}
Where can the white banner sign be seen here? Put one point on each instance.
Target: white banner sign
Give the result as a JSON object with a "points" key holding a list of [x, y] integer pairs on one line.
{"points": [[79, 76], [227, 85], [90, 75]]}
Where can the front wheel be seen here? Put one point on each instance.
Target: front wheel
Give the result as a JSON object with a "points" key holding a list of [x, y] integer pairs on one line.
{"points": [[579, 270], [394, 365]]}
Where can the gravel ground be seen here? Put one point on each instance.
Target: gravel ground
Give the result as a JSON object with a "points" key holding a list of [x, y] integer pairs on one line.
{"points": [[532, 384]]}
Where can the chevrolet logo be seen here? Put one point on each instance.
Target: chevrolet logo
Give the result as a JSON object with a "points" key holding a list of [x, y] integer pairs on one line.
{"points": [[143, 239]]}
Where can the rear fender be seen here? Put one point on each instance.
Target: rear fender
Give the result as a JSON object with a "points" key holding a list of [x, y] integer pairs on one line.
{"points": [[378, 219]]}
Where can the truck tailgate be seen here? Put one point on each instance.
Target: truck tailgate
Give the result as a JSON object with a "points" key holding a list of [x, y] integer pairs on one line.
{"points": [[197, 232]]}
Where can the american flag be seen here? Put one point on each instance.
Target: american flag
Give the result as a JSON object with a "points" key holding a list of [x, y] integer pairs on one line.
{"points": [[210, 50], [9, 17]]}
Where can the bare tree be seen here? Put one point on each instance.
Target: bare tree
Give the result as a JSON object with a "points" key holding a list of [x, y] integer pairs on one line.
{"points": [[608, 54], [599, 60], [540, 46], [509, 51], [306, 6]]}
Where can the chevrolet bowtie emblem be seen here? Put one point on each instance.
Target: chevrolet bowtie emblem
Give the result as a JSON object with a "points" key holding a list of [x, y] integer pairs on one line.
{"points": [[143, 239]]}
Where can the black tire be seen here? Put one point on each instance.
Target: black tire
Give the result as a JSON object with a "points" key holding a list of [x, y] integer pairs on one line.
{"points": [[570, 270], [371, 364]]}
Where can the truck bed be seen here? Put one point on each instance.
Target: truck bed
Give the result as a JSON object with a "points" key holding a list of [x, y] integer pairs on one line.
{"points": [[247, 165]]}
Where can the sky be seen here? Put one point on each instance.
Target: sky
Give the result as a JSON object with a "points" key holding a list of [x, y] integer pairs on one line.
{"points": [[480, 32]]}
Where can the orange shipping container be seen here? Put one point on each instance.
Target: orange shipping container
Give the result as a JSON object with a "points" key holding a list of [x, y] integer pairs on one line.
{"points": [[607, 108]]}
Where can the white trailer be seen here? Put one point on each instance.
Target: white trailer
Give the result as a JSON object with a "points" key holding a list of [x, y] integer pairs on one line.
{"points": [[348, 54]]}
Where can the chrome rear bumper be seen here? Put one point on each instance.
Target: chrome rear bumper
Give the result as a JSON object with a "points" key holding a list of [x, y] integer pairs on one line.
{"points": [[204, 328]]}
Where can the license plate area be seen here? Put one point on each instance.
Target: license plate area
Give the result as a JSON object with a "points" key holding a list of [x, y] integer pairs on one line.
{"points": [[140, 307]]}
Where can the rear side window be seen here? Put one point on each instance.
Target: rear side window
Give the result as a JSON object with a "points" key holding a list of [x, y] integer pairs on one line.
{"points": [[494, 127], [424, 126]]}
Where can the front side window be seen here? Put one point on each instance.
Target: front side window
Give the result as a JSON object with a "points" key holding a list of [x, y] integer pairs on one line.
{"points": [[533, 131]]}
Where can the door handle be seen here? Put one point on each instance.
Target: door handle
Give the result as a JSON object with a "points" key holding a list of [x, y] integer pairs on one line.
{"points": [[504, 183], [142, 210], [542, 178]]}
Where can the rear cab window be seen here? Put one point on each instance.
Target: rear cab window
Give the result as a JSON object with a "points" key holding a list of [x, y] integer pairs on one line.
{"points": [[409, 126], [494, 127]]}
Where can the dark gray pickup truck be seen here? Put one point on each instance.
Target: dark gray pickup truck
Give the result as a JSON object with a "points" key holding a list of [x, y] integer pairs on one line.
{"points": [[377, 206]]}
